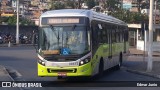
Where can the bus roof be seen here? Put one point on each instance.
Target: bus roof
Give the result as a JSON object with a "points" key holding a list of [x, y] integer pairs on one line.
{"points": [[92, 15]]}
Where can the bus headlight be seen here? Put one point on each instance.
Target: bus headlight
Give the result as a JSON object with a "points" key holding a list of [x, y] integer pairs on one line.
{"points": [[82, 62], [41, 62]]}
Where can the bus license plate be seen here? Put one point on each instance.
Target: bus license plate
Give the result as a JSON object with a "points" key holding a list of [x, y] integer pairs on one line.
{"points": [[62, 74]]}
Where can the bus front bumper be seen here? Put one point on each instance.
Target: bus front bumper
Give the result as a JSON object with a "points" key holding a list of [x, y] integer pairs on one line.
{"points": [[84, 70]]}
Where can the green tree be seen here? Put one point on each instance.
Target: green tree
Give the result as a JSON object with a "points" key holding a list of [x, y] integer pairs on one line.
{"points": [[139, 2], [113, 5], [130, 17], [90, 3], [79, 4], [12, 20], [57, 5], [24, 21], [74, 4], [70, 4], [145, 5]]}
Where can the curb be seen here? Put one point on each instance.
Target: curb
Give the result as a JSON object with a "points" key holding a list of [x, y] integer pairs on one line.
{"points": [[13, 73], [142, 73], [15, 76], [6, 72], [8, 75], [143, 55], [17, 45]]}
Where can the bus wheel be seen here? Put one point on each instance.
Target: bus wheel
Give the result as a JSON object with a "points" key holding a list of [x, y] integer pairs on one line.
{"points": [[101, 68], [120, 59], [119, 62]]}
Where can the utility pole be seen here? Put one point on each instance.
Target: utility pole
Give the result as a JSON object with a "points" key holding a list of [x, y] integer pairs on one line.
{"points": [[0, 12], [149, 66], [17, 27]]}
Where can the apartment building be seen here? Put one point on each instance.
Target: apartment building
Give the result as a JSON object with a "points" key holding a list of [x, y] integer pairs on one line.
{"points": [[6, 10], [132, 5]]}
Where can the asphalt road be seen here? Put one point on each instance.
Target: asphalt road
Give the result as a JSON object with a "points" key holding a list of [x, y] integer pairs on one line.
{"points": [[24, 60]]}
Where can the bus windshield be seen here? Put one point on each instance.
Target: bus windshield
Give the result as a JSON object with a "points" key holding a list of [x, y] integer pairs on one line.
{"points": [[63, 40]]}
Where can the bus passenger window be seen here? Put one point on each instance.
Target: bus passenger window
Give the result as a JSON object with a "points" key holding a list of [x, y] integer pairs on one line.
{"points": [[99, 31], [121, 36], [94, 33], [104, 36], [117, 35], [113, 34]]}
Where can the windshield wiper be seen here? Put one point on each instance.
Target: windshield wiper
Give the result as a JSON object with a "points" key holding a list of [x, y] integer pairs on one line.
{"points": [[54, 31], [66, 38], [57, 36]]}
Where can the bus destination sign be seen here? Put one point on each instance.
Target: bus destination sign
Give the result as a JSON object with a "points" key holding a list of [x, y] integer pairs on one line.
{"points": [[62, 20]]}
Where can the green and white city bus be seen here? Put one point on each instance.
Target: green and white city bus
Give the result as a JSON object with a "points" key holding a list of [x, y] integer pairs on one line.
{"points": [[75, 42]]}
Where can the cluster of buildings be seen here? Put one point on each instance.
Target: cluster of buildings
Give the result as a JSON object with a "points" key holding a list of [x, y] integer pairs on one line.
{"points": [[139, 33], [30, 9]]}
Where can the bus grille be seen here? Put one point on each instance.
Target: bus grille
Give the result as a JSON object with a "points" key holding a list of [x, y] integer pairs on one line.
{"points": [[62, 70]]}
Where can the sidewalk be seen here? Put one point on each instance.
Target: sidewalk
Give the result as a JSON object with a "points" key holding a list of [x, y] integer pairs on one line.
{"points": [[134, 51], [14, 45], [137, 63], [5, 77]]}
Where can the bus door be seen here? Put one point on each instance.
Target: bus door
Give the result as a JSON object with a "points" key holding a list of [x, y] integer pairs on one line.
{"points": [[125, 36], [124, 40], [110, 43]]}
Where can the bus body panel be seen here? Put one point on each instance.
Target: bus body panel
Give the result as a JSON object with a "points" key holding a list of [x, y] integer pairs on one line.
{"points": [[84, 70], [108, 52], [103, 52]]}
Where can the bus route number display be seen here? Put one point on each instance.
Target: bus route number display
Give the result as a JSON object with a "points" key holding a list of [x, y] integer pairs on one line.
{"points": [[62, 20]]}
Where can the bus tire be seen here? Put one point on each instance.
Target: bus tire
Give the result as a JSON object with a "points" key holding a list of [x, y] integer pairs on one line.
{"points": [[119, 62], [101, 68], [120, 59]]}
